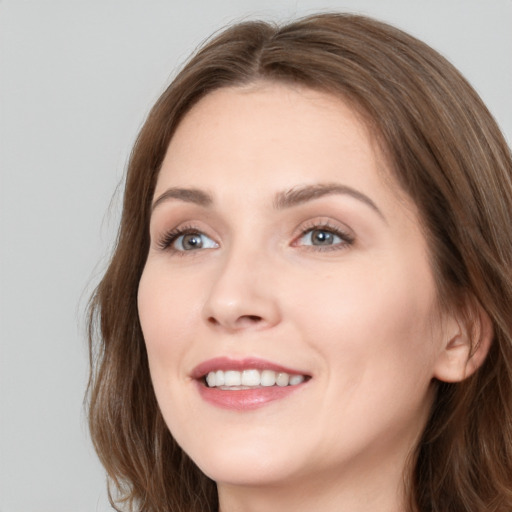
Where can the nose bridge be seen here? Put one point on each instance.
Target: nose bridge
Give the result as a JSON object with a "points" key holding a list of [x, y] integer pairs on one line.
{"points": [[241, 294]]}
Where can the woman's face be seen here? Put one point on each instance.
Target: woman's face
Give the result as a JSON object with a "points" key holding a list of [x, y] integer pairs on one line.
{"points": [[281, 249]]}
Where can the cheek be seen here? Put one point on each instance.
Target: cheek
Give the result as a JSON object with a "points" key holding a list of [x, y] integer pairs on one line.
{"points": [[377, 337], [373, 321], [166, 308], [166, 312]]}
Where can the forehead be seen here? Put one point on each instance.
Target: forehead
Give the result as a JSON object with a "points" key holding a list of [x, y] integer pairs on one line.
{"points": [[281, 109], [271, 127]]}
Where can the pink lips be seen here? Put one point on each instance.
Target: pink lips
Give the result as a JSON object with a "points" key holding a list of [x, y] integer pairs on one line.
{"points": [[243, 399]]}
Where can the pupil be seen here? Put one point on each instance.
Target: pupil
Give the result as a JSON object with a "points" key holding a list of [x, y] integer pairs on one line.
{"points": [[322, 237], [192, 241]]}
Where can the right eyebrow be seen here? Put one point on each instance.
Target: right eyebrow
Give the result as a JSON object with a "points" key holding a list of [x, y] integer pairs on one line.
{"points": [[189, 195]]}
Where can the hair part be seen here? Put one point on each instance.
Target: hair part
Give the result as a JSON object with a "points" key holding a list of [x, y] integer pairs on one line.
{"points": [[446, 152]]}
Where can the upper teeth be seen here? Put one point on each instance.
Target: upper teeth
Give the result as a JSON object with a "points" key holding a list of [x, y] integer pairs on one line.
{"points": [[251, 378]]}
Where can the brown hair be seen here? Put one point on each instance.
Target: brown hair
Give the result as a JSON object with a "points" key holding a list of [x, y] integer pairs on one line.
{"points": [[449, 156]]}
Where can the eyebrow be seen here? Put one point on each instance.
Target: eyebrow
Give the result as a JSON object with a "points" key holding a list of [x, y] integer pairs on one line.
{"points": [[189, 195], [283, 200], [303, 194]]}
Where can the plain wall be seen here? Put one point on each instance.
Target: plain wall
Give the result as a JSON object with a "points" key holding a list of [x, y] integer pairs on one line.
{"points": [[76, 81]]}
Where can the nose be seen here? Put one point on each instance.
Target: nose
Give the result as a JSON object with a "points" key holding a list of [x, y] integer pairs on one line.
{"points": [[242, 295]]}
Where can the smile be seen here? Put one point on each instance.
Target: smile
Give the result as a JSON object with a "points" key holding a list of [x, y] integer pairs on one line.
{"points": [[251, 378], [246, 384]]}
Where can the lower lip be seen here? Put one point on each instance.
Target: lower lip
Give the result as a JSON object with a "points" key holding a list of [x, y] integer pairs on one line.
{"points": [[245, 399]]}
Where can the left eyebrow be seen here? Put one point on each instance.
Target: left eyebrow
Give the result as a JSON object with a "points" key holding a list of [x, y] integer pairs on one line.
{"points": [[300, 195]]}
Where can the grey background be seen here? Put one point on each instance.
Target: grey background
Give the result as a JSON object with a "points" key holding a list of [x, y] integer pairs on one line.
{"points": [[76, 81]]}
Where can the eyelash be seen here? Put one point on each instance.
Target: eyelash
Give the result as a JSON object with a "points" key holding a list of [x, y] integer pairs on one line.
{"points": [[347, 239], [165, 243], [168, 239]]}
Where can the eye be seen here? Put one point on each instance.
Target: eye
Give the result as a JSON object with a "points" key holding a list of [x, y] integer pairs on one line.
{"points": [[320, 237], [192, 242], [186, 239], [325, 237]]}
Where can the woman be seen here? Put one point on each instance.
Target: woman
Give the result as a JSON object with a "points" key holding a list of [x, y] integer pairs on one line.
{"points": [[308, 307]]}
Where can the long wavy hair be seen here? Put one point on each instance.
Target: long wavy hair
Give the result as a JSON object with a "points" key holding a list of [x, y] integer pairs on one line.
{"points": [[447, 153]]}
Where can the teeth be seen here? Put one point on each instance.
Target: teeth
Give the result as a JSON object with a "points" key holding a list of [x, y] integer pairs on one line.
{"points": [[219, 378], [210, 380], [282, 379], [268, 378], [296, 379], [251, 378], [235, 380], [231, 378]]}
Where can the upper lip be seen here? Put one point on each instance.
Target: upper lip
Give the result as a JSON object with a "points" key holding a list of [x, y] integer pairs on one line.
{"points": [[227, 363]]}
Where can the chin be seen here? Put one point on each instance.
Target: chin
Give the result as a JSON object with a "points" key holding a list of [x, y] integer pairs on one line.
{"points": [[254, 463]]}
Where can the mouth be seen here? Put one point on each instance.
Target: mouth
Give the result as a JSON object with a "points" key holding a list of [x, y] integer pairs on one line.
{"points": [[252, 378], [247, 383]]}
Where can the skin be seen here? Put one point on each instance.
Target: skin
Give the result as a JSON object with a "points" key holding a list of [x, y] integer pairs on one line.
{"points": [[359, 316]]}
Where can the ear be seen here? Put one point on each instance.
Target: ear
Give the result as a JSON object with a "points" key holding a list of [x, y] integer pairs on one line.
{"points": [[469, 334]]}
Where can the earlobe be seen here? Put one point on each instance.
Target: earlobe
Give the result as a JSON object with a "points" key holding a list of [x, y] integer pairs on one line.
{"points": [[466, 346]]}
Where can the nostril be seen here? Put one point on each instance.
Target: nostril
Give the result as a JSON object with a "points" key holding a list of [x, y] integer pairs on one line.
{"points": [[241, 321], [252, 318], [248, 321]]}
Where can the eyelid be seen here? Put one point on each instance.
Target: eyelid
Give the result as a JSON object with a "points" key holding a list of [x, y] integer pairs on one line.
{"points": [[165, 240], [335, 227]]}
